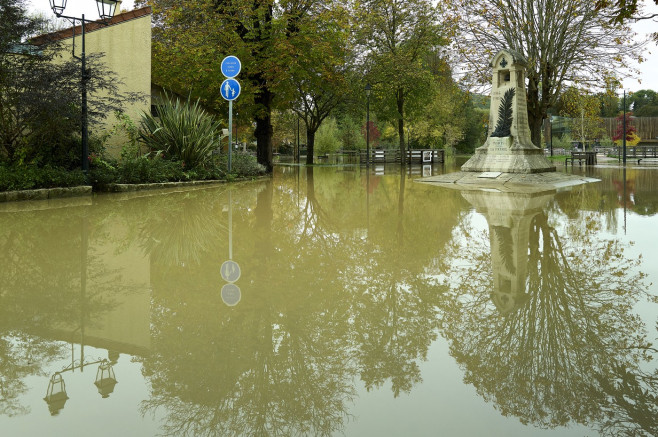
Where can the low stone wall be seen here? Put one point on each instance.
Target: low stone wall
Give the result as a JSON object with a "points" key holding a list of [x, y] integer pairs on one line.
{"points": [[45, 193], [56, 193], [123, 188]]}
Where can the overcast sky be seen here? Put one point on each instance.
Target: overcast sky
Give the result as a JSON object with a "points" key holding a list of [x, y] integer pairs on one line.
{"points": [[648, 78], [649, 69]]}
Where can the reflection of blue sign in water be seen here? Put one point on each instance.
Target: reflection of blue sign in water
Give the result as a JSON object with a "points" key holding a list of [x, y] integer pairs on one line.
{"points": [[231, 294], [230, 89], [231, 66], [230, 271]]}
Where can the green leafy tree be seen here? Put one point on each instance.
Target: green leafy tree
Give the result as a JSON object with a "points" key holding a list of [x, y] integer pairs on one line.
{"points": [[191, 38], [644, 103], [583, 110], [350, 137], [397, 36], [448, 119], [608, 103], [320, 67], [328, 137]]}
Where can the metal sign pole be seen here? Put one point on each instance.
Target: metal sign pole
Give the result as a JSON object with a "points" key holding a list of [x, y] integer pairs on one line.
{"points": [[230, 132], [230, 226]]}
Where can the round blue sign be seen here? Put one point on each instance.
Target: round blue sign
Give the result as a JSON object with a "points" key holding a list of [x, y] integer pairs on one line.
{"points": [[231, 66], [230, 89], [231, 294]]}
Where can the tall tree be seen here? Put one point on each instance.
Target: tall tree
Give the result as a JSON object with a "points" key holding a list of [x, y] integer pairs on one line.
{"points": [[448, 119], [642, 99], [583, 111], [396, 36], [564, 41], [319, 65], [192, 37]]}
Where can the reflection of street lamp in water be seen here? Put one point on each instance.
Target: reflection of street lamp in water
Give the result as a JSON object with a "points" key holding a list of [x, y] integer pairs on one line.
{"points": [[56, 395], [105, 379]]}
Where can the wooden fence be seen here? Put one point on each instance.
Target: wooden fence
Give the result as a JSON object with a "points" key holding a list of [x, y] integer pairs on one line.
{"points": [[645, 127], [422, 156]]}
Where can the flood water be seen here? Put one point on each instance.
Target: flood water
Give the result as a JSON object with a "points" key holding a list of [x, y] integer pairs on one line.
{"points": [[350, 305]]}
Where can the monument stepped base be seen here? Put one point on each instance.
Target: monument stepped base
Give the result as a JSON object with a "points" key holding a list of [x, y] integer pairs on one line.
{"points": [[507, 182], [514, 161]]}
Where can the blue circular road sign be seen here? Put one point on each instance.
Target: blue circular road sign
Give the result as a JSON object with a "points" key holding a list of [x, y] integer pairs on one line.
{"points": [[231, 66], [230, 89], [231, 294]]}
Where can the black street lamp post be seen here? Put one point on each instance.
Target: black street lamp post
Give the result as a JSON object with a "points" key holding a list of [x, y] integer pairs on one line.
{"points": [[106, 12], [624, 130], [550, 123], [368, 90]]}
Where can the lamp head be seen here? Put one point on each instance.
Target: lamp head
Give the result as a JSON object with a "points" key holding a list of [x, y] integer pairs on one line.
{"points": [[106, 9], [58, 6]]}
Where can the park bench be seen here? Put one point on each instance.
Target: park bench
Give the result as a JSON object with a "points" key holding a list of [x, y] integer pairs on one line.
{"points": [[588, 157], [642, 153]]}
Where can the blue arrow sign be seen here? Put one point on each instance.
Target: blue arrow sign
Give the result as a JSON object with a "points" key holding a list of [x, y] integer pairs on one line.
{"points": [[230, 89], [231, 66]]}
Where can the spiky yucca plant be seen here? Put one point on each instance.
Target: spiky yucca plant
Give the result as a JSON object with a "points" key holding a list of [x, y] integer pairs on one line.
{"points": [[183, 131]]}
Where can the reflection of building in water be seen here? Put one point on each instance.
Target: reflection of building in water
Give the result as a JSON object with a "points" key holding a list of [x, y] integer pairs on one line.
{"points": [[510, 218], [115, 297]]}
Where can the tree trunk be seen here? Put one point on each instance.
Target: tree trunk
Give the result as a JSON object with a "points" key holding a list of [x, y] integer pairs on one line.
{"points": [[400, 229], [535, 122], [310, 145], [532, 103], [264, 130], [400, 101]]}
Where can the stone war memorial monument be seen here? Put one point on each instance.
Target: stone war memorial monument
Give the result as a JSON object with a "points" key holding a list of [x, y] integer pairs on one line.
{"points": [[508, 160], [508, 147]]}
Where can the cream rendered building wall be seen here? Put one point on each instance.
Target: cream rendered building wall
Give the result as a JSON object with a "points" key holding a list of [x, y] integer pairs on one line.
{"points": [[127, 48]]}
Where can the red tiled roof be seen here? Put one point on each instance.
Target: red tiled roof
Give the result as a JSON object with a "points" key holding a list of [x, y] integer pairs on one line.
{"points": [[90, 26]]}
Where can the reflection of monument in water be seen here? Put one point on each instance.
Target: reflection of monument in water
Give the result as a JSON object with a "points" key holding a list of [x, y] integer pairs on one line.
{"points": [[510, 217], [556, 348]]}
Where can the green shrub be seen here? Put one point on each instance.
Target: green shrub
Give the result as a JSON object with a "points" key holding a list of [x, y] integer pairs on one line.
{"points": [[30, 177], [150, 168], [182, 131], [564, 142], [327, 138], [242, 165]]}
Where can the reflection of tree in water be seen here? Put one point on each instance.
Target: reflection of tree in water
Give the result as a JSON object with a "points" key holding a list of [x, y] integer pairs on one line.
{"points": [[275, 364], [182, 229], [573, 350], [21, 356], [396, 303], [320, 308], [44, 257]]}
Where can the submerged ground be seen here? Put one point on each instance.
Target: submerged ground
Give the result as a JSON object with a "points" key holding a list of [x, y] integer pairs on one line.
{"points": [[358, 303]]}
